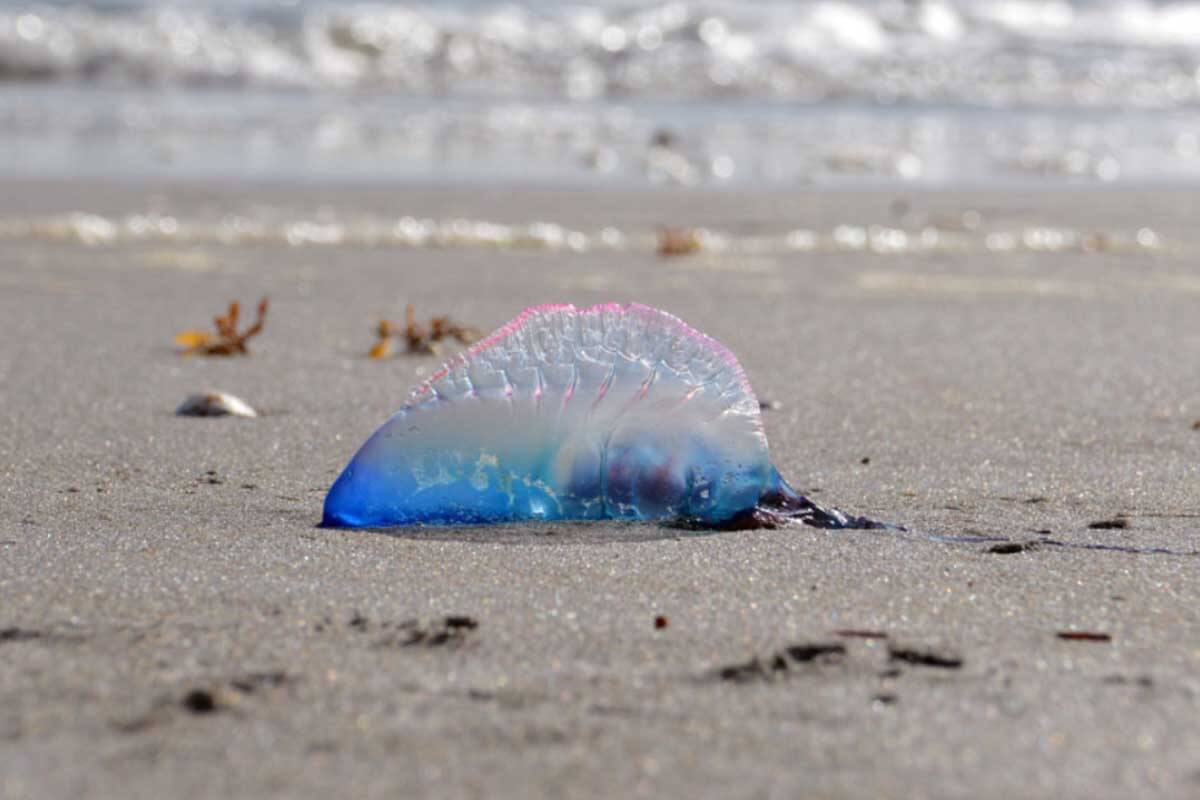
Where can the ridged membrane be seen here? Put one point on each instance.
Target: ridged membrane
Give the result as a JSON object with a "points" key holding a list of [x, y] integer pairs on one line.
{"points": [[608, 412]]}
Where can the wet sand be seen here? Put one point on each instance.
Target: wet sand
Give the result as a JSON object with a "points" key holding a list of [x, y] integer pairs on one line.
{"points": [[172, 623]]}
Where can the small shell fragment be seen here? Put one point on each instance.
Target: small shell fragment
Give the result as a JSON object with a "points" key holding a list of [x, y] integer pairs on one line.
{"points": [[215, 404]]}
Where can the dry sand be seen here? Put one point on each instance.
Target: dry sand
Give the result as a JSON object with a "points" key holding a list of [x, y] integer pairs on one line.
{"points": [[151, 563]]}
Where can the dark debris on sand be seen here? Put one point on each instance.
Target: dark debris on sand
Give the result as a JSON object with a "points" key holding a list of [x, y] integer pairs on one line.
{"points": [[925, 657], [200, 701], [452, 631], [1084, 636], [860, 633], [769, 667], [1008, 548], [206, 699], [15, 634], [252, 682], [18, 634]]}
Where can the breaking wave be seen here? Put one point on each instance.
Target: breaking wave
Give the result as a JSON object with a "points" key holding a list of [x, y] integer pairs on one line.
{"points": [[994, 53]]}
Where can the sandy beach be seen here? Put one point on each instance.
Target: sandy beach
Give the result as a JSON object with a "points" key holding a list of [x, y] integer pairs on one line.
{"points": [[173, 623]]}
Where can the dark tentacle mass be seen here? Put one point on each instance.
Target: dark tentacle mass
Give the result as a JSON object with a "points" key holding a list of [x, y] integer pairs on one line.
{"points": [[780, 505]]}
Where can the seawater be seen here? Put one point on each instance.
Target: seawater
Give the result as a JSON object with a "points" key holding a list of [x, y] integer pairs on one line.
{"points": [[920, 92]]}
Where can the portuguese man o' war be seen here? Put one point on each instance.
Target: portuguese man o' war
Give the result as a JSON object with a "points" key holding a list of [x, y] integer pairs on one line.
{"points": [[614, 412]]}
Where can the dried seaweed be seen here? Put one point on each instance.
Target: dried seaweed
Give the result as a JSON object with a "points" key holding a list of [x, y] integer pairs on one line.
{"points": [[925, 656], [420, 339], [679, 241], [1084, 636], [227, 341]]}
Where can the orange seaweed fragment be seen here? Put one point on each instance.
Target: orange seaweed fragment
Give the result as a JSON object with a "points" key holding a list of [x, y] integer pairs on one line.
{"points": [[192, 339], [228, 340], [387, 342], [679, 241], [420, 338]]}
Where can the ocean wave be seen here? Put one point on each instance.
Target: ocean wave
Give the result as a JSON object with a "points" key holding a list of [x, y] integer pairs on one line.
{"points": [[230, 134], [995, 53]]}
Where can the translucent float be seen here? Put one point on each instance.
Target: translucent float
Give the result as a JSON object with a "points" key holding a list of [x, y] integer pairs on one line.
{"points": [[614, 412]]}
